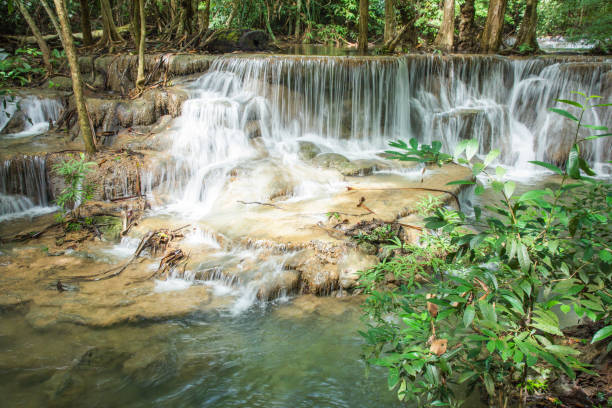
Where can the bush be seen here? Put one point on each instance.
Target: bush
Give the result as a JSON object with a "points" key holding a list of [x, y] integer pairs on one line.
{"points": [[484, 310]]}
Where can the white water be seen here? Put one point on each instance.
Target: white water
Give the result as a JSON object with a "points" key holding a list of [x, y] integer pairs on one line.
{"points": [[353, 107], [37, 113], [23, 188]]}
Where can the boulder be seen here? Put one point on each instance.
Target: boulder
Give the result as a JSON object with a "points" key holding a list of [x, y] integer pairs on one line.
{"points": [[343, 165], [231, 39], [308, 150], [17, 123]]}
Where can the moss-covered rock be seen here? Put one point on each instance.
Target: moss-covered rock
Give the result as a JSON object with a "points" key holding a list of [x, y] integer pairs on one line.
{"points": [[308, 150]]}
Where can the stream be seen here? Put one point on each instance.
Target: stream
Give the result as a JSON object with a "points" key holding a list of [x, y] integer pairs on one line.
{"points": [[264, 150]]}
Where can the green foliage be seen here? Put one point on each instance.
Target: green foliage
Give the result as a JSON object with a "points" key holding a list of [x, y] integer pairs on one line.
{"points": [[380, 234], [19, 69], [419, 153], [74, 171], [427, 205], [478, 302]]}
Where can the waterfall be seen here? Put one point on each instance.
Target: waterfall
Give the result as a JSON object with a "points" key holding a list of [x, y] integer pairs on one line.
{"points": [[23, 187], [31, 115]]}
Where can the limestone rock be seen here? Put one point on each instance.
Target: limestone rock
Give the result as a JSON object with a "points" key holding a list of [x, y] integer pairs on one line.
{"points": [[308, 150]]}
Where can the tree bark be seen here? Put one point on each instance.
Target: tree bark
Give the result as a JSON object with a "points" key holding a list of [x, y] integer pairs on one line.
{"points": [[390, 22], [362, 44], [298, 11], [52, 17], [468, 34], [42, 44], [205, 16], [492, 33], [308, 30], [268, 16], [445, 38], [85, 23], [75, 73], [110, 35], [140, 78], [527, 40], [135, 22], [230, 19]]}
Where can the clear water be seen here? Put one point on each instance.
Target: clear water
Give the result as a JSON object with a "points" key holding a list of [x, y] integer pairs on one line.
{"points": [[279, 356]]}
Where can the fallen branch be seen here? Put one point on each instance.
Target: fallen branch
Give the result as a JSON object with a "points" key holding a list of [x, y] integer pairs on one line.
{"points": [[259, 203]]}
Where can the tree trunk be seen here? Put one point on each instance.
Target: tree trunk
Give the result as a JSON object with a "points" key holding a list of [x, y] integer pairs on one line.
{"points": [[85, 23], [111, 35], [140, 79], [362, 44], [445, 38], [42, 44], [52, 17], [468, 34], [268, 27], [77, 85], [205, 17], [233, 13], [390, 23], [298, 10], [306, 36], [492, 33], [135, 22], [527, 41]]}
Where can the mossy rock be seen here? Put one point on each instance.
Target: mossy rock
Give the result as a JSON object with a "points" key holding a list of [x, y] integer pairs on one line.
{"points": [[110, 227], [308, 150]]}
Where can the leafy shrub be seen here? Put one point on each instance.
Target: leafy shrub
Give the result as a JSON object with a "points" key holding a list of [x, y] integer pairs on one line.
{"points": [[74, 171], [485, 312]]}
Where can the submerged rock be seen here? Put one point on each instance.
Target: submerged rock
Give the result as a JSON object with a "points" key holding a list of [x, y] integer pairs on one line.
{"points": [[308, 150]]}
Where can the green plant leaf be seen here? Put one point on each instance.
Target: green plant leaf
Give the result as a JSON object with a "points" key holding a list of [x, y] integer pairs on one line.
{"points": [[598, 136], [468, 315], [573, 103], [490, 157], [489, 384], [564, 113], [509, 187], [471, 149], [393, 377], [595, 127], [457, 182], [585, 167], [573, 168], [602, 334], [549, 166]]}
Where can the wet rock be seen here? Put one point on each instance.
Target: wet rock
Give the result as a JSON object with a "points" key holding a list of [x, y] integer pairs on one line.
{"points": [[63, 384], [253, 129], [285, 283], [59, 82], [101, 357], [351, 266], [331, 160], [17, 123], [230, 39], [151, 365], [367, 248], [308, 150], [343, 165]]}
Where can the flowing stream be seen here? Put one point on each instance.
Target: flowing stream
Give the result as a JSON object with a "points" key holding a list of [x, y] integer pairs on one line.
{"points": [[252, 132]]}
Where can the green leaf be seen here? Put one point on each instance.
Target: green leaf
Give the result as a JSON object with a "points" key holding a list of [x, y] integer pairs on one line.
{"points": [[573, 168], [605, 256], [564, 113], [471, 149], [549, 166], [491, 156], [468, 315], [456, 182], [523, 257], [500, 172], [562, 350], [466, 376], [598, 136], [595, 127], [601, 105], [509, 187], [460, 148], [573, 103], [533, 194], [602, 334], [565, 308], [393, 377], [489, 384], [487, 310]]}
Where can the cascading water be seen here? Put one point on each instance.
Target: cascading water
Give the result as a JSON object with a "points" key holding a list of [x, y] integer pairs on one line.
{"points": [[32, 113], [23, 188], [239, 135]]}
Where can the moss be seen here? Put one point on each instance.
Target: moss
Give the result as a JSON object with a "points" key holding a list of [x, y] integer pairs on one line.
{"points": [[110, 227]]}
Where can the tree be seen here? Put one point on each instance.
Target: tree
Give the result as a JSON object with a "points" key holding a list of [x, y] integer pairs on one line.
{"points": [[42, 44], [492, 33], [468, 34], [52, 17], [85, 23], [390, 22], [205, 16], [527, 40], [298, 10], [362, 44], [233, 13], [110, 34], [444, 39], [75, 73], [140, 79]]}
